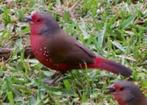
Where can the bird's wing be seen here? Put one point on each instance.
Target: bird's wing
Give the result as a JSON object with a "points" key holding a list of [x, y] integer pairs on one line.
{"points": [[65, 49]]}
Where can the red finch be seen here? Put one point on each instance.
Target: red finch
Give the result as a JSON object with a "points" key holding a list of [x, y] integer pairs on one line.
{"points": [[57, 50], [127, 93]]}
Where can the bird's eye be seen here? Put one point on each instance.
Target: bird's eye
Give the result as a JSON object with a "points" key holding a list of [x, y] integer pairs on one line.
{"points": [[38, 20], [121, 89]]}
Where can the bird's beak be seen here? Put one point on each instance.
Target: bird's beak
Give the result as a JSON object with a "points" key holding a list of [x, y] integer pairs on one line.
{"points": [[28, 18], [111, 89]]}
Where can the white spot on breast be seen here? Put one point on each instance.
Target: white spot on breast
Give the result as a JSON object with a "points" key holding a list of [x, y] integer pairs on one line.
{"points": [[44, 48], [44, 54], [40, 49]]}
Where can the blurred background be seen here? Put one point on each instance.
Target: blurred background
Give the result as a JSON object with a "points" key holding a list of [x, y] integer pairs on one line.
{"points": [[115, 29]]}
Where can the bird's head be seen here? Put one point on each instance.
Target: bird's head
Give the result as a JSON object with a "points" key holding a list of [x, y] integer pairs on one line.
{"points": [[36, 17], [42, 22], [125, 92]]}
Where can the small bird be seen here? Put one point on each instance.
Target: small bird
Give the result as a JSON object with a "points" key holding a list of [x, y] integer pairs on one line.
{"points": [[127, 93], [59, 51]]}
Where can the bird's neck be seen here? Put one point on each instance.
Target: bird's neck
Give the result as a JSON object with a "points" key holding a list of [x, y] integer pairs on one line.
{"points": [[121, 102], [139, 100], [36, 41]]}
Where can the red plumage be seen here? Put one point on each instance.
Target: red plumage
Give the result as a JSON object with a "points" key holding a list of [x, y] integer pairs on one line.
{"points": [[57, 50], [127, 93]]}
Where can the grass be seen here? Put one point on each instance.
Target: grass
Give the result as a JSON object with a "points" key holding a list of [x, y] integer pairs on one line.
{"points": [[114, 29]]}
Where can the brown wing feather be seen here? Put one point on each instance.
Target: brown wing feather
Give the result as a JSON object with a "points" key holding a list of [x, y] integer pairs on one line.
{"points": [[65, 49]]}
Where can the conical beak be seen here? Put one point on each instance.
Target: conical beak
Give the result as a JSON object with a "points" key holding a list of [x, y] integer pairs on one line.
{"points": [[28, 18], [111, 89]]}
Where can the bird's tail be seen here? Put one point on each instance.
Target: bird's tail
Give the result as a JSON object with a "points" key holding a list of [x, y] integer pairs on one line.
{"points": [[110, 66]]}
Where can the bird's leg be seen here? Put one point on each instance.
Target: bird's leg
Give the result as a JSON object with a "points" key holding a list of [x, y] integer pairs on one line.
{"points": [[28, 52], [56, 77]]}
